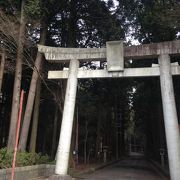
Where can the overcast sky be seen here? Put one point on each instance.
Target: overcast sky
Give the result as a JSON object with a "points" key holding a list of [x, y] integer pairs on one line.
{"points": [[129, 37]]}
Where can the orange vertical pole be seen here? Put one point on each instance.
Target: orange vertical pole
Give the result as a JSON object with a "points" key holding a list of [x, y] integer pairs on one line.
{"points": [[17, 134]]}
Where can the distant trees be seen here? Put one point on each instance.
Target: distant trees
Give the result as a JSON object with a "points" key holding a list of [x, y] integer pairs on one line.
{"points": [[104, 107], [151, 21], [70, 24]]}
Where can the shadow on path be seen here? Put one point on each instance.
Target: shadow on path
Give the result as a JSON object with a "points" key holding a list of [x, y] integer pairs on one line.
{"points": [[132, 168]]}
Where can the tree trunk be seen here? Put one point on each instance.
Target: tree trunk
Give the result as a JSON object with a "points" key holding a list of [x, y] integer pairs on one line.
{"points": [[17, 80], [32, 147], [53, 151], [85, 142], [77, 137], [2, 70], [72, 25], [1, 98], [98, 133], [31, 96]]}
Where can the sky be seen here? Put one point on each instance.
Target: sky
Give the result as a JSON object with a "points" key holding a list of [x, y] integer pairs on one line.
{"points": [[129, 37], [116, 3]]}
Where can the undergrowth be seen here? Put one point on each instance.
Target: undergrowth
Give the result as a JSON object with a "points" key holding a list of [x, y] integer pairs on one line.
{"points": [[22, 158]]}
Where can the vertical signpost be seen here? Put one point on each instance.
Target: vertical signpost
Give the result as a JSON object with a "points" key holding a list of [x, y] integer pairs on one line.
{"points": [[17, 134]]}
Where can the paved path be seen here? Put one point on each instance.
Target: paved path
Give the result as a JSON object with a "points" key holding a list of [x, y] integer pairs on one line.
{"points": [[128, 169]]}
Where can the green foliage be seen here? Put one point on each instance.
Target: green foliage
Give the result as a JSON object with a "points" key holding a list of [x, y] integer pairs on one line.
{"points": [[5, 158], [37, 9], [33, 9], [152, 21], [23, 158]]}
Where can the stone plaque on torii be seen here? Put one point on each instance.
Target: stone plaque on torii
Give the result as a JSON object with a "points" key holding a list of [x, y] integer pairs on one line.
{"points": [[115, 54]]}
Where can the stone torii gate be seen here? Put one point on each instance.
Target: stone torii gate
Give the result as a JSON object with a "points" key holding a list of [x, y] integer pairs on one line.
{"points": [[115, 54]]}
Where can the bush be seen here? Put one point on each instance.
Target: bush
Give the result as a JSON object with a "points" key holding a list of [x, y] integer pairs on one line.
{"points": [[22, 158]]}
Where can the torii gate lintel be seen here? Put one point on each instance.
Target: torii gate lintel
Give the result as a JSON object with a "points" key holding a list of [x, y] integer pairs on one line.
{"points": [[153, 50]]}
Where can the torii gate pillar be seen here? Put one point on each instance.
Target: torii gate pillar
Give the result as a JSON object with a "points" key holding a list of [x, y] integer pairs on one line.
{"points": [[170, 116], [67, 124]]}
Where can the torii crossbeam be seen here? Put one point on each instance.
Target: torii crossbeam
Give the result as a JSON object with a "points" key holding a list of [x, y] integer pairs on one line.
{"points": [[116, 53]]}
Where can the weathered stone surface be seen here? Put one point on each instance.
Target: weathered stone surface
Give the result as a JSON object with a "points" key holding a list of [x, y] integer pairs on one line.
{"points": [[62, 157], [28, 172], [128, 72], [170, 116], [54, 53], [131, 52], [115, 56]]}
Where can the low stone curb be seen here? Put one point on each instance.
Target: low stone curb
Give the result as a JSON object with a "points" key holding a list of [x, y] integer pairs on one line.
{"points": [[27, 172]]}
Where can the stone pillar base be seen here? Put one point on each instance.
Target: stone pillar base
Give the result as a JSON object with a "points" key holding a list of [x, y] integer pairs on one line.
{"points": [[60, 177]]}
